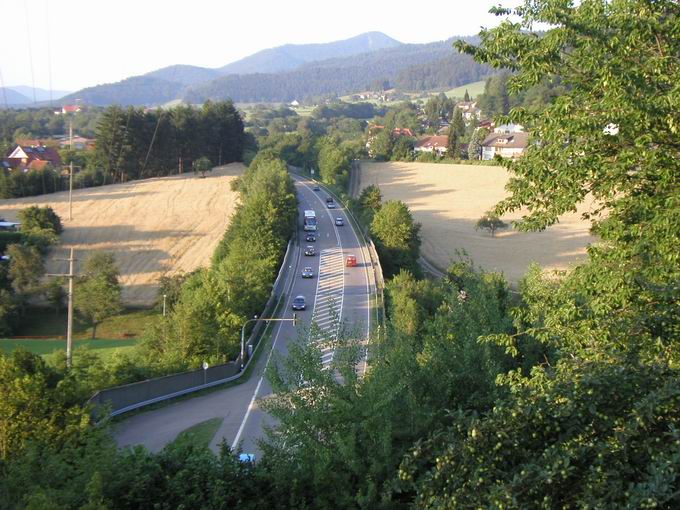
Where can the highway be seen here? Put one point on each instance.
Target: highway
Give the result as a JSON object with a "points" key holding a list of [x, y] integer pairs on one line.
{"points": [[335, 292]]}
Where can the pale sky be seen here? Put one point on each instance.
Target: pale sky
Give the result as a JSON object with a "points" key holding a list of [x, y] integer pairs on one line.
{"points": [[72, 44]]}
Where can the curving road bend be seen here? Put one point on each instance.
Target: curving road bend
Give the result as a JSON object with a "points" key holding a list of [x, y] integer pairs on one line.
{"points": [[335, 292]]}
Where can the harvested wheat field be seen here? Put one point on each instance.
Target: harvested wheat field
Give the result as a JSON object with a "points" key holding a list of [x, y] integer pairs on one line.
{"points": [[154, 226], [449, 199]]}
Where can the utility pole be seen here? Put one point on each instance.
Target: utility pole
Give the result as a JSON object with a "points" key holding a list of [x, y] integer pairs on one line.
{"points": [[69, 327], [70, 173]]}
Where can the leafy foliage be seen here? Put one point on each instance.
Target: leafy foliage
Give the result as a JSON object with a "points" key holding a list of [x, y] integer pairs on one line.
{"points": [[97, 293], [40, 218], [587, 434], [207, 313], [396, 238], [491, 223]]}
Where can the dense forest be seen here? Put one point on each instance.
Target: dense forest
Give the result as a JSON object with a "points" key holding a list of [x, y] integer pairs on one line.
{"points": [[411, 67], [134, 144]]}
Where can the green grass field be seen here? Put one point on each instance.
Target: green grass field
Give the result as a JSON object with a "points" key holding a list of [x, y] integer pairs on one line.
{"points": [[121, 332], [474, 89], [200, 434], [44, 347], [44, 322]]}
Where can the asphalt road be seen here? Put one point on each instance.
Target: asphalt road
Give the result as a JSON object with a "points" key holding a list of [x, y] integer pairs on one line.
{"points": [[335, 292]]}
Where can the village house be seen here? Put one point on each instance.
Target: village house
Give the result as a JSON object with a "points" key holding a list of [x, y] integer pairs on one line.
{"points": [[469, 110], [437, 144], [68, 108], [32, 157], [374, 129], [505, 144], [78, 143]]}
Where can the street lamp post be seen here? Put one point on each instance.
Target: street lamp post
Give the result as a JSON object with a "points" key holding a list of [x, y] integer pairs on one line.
{"points": [[256, 319]]}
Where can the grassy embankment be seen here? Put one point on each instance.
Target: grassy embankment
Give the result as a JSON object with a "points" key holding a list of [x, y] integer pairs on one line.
{"points": [[121, 332]]}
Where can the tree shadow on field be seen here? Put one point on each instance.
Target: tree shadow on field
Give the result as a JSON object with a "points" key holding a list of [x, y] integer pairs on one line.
{"points": [[444, 230], [11, 207]]}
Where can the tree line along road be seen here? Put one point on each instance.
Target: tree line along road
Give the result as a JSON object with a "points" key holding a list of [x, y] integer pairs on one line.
{"points": [[334, 290]]}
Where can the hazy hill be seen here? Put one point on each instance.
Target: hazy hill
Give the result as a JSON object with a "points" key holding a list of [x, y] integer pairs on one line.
{"points": [[407, 66], [135, 91], [12, 97], [40, 94], [290, 56], [186, 75], [21, 94]]}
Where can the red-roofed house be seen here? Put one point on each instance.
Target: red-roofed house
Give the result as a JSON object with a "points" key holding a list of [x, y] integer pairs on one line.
{"points": [[436, 144], [397, 132], [68, 108], [26, 157]]}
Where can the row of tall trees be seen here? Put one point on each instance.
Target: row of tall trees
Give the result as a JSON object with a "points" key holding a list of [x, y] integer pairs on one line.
{"points": [[498, 99], [207, 311], [136, 144]]}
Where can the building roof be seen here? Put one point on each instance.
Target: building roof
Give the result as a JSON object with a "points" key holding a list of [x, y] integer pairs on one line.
{"points": [[507, 140], [403, 132], [433, 142], [28, 154]]}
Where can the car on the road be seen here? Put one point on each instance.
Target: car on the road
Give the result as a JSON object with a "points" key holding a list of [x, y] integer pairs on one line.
{"points": [[339, 221], [307, 272], [310, 238], [351, 261], [310, 251], [330, 203], [316, 188], [299, 303]]}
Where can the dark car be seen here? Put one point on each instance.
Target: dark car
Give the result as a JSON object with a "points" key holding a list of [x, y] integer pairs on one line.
{"points": [[310, 251], [316, 188], [307, 272], [299, 303], [339, 222], [310, 238]]}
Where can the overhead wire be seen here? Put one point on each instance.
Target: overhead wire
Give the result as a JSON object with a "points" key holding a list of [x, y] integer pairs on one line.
{"points": [[4, 92], [49, 49], [30, 51]]}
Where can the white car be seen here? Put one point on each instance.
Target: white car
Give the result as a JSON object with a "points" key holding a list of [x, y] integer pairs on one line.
{"points": [[339, 222]]}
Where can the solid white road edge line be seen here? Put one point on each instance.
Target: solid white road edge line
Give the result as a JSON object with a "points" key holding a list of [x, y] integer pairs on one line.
{"points": [[292, 273]]}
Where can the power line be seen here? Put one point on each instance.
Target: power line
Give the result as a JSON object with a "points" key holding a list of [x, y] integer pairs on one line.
{"points": [[30, 51], [49, 49], [4, 92]]}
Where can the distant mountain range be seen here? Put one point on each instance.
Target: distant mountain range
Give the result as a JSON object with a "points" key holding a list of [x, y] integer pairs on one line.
{"points": [[23, 95], [297, 72]]}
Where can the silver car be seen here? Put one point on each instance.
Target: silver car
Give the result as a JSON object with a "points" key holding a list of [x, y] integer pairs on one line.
{"points": [[307, 272]]}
